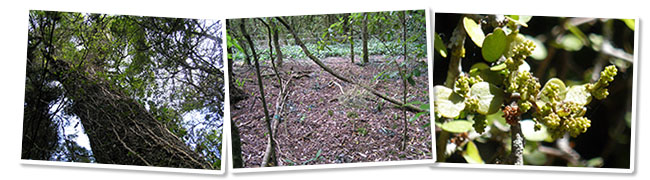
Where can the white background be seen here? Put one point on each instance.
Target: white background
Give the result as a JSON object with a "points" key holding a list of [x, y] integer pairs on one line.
{"points": [[13, 41]]}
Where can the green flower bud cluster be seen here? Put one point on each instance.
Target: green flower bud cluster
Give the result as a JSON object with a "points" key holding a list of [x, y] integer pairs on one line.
{"points": [[599, 89], [567, 117], [522, 50], [519, 49], [527, 86], [512, 65], [471, 104], [553, 93], [524, 106], [462, 88], [463, 84]]}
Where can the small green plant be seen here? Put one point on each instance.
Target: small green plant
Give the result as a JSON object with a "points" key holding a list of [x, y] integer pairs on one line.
{"points": [[352, 115], [240, 82], [330, 113], [362, 131]]}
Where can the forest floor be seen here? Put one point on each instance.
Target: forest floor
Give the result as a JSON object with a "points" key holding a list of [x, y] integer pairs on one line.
{"points": [[319, 115]]}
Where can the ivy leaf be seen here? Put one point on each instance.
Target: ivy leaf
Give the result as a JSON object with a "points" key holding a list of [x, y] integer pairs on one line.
{"points": [[499, 67], [417, 116], [489, 97], [447, 103], [477, 68], [416, 72], [233, 43], [518, 19], [484, 71], [578, 95], [571, 42], [457, 126], [472, 155], [425, 107], [439, 46], [629, 23], [528, 129], [474, 31], [534, 157], [410, 80], [540, 52], [498, 118], [494, 45], [596, 162]]}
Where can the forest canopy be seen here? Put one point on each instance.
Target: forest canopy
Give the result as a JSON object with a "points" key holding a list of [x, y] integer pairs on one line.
{"points": [[118, 89]]}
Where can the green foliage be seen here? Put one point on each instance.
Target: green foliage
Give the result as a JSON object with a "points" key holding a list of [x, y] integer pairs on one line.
{"points": [[599, 89], [629, 23], [362, 131], [474, 31], [457, 126], [534, 131], [352, 115], [471, 154], [439, 46], [447, 103], [480, 122], [494, 45], [481, 93], [489, 97]]}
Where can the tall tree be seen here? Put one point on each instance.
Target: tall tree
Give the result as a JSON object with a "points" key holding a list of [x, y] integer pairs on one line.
{"points": [[405, 92], [128, 79], [269, 156], [364, 31], [236, 95], [121, 131], [351, 37]]}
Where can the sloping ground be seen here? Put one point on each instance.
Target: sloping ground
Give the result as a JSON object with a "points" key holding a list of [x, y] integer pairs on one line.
{"points": [[348, 126]]}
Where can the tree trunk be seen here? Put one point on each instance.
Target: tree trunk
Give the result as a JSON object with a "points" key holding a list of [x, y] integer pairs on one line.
{"points": [[247, 61], [39, 130], [243, 44], [364, 30], [276, 43], [238, 161], [269, 155], [517, 144], [236, 94], [351, 39], [403, 72], [121, 131]]}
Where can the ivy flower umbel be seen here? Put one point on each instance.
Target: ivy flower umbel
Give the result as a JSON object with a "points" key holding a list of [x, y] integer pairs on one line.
{"points": [[520, 49], [464, 83], [566, 118], [462, 87], [527, 86], [599, 89]]}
